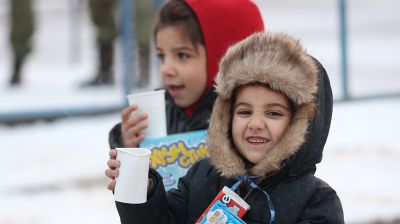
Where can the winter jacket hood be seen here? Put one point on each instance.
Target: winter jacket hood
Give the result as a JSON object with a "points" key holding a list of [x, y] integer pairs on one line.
{"points": [[241, 18], [280, 62]]}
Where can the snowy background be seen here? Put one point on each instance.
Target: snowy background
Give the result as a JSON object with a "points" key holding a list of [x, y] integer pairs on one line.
{"points": [[53, 172]]}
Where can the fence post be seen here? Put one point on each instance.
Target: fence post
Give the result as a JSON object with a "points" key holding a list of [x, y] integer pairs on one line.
{"points": [[343, 49], [128, 40], [157, 4], [154, 77]]}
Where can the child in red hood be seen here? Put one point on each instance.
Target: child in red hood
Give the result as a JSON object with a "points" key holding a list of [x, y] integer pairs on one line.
{"points": [[190, 37]]}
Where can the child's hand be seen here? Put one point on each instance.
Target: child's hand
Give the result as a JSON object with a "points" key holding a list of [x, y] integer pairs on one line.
{"points": [[113, 165], [113, 170], [131, 127]]}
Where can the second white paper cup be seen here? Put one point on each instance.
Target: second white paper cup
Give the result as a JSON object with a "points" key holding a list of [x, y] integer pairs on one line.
{"points": [[131, 186], [153, 104]]}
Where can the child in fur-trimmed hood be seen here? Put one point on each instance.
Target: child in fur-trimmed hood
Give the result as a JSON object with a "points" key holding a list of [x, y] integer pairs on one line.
{"points": [[268, 129]]}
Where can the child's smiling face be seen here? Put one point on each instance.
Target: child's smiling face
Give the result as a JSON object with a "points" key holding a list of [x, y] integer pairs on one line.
{"points": [[183, 67], [260, 118]]}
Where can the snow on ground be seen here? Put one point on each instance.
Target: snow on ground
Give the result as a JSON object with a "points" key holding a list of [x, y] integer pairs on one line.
{"points": [[361, 159], [53, 172]]}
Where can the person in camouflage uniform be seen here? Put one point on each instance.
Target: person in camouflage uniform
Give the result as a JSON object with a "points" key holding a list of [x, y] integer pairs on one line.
{"points": [[21, 32], [103, 15], [144, 23]]}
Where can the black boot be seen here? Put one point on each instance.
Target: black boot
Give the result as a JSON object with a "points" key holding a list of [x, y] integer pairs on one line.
{"points": [[106, 59], [16, 74], [104, 74]]}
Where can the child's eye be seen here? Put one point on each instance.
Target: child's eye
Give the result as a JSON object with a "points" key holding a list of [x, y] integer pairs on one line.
{"points": [[183, 55], [243, 112], [274, 114], [160, 56]]}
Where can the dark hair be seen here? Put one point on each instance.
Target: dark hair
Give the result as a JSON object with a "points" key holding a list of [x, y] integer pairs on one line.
{"points": [[178, 13]]}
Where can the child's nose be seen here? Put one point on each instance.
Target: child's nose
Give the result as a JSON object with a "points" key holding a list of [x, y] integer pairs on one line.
{"points": [[256, 123], [167, 68]]}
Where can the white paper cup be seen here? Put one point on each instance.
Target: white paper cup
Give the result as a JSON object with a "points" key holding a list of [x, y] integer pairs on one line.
{"points": [[153, 104], [131, 186]]}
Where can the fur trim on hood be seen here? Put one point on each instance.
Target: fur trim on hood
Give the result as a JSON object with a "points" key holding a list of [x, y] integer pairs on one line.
{"points": [[280, 62]]}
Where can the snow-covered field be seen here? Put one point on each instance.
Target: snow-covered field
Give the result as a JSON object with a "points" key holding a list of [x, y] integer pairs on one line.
{"points": [[53, 172]]}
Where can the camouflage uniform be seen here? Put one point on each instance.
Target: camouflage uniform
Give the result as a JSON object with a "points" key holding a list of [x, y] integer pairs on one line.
{"points": [[103, 15], [22, 28], [144, 23]]}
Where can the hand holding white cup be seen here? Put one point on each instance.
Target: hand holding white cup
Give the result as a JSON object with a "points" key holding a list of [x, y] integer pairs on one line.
{"points": [[153, 104], [131, 184]]}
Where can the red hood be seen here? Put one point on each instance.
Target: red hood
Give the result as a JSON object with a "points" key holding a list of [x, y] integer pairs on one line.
{"points": [[223, 23]]}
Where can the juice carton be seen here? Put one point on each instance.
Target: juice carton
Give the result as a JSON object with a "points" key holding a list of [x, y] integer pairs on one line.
{"points": [[227, 202]]}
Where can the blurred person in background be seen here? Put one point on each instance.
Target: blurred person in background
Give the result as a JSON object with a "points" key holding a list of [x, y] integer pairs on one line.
{"points": [[144, 24], [103, 14], [21, 32]]}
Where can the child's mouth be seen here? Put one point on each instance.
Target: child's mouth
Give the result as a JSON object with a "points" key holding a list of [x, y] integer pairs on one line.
{"points": [[257, 140], [175, 90]]}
